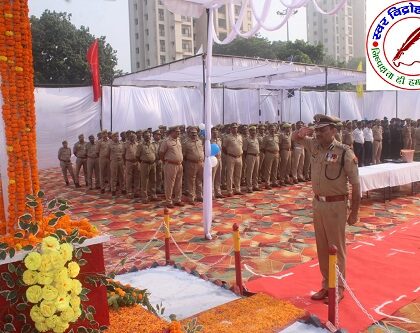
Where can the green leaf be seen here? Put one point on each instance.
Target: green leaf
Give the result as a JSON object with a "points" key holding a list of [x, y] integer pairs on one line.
{"points": [[23, 225], [52, 204], [86, 249], [18, 235], [89, 316], [82, 329], [40, 194], [27, 248], [25, 217], [30, 197], [8, 318], [11, 268], [27, 328], [91, 309], [12, 295], [59, 214], [82, 240], [34, 229], [3, 246], [61, 201], [7, 277], [53, 221], [32, 204], [21, 317], [21, 306], [103, 328], [84, 298], [12, 252], [63, 207], [82, 262], [9, 327], [5, 293], [60, 233]]}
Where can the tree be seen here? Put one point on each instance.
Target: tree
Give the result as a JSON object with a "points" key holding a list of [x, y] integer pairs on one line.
{"points": [[255, 47], [59, 51]]}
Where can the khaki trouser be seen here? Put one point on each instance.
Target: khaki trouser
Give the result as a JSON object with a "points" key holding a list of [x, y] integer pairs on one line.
{"points": [[261, 167], [307, 165], [194, 179], [67, 166], [159, 176], [216, 173], [298, 161], [330, 220], [81, 162], [377, 151], [104, 172], [173, 182], [117, 175], [285, 164], [271, 162], [148, 180], [224, 170], [252, 168], [408, 142], [233, 173], [132, 177], [93, 168]]}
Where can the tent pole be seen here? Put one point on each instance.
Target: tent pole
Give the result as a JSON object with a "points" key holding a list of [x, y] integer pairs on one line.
{"points": [[300, 104], [223, 110], [339, 104], [102, 106], [207, 175], [259, 105], [111, 104], [204, 87], [281, 106], [326, 90], [396, 103]]}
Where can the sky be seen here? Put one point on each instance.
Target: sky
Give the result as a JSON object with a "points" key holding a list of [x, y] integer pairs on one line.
{"points": [[109, 18]]}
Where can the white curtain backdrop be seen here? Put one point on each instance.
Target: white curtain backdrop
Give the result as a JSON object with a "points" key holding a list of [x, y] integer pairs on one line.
{"points": [[3, 162], [64, 113]]}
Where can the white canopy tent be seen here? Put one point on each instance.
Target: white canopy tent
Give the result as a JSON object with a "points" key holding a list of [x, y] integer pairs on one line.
{"points": [[234, 72]]}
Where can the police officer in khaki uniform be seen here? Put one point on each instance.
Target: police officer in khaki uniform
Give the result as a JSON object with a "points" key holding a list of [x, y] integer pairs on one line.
{"points": [[92, 162], [270, 148], [298, 157], [334, 165], [377, 132], [103, 152], [251, 148], [64, 155], [406, 134], [170, 153], [285, 154], [339, 134], [260, 136], [193, 152], [348, 135], [117, 164], [157, 140], [132, 173], [79, 150], [217, 170], [147, 156], [232, 146]]}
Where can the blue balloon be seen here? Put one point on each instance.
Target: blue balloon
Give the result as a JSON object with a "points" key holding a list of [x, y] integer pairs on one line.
{"points": [[203, 133], [215, 149]]}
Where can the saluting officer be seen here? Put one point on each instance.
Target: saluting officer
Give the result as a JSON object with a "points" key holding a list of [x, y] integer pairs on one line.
{"points": [[251, 150], [170, 153], [92, 162], [147, 155], [64, 155], [232, 146], [79, 150], [333, 166]]}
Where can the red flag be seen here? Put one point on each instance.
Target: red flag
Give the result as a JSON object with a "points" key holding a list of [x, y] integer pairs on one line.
{"points": [[93, 60]]}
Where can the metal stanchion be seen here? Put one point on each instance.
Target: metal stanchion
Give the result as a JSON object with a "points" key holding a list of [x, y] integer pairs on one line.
{"points": [[237, 248], [167, 236], [332, 280]]}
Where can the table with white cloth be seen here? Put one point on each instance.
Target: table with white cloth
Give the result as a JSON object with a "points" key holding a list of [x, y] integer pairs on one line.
{"points": [[387, 175]]}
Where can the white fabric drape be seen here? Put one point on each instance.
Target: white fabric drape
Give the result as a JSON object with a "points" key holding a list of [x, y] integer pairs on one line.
{"points": [[63, 114], [3, 161]]}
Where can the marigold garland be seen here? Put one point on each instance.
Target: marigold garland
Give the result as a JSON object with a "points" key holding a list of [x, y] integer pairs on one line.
{"points": [[18, 109]]}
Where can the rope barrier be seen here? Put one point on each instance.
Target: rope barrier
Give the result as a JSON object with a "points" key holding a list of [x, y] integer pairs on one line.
{"points": [[278, 277]]}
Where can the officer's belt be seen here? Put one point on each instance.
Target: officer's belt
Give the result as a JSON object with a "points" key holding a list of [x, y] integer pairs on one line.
{"points": [[194, 161], [272, 152], [332, 198], [234, 156], [173, 162]]}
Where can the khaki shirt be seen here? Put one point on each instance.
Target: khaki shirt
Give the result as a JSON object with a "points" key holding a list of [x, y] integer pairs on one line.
{"points": [[116, 151], [92, 149], [296, 144], [271, 143], [377, 133], [130, 151], [171, 150], [339, 136], [347, 138], [416, 141], [251, 146], [64, 154], [103, 148], [233, 145], [193, 150], [328, 177], [79, 149], [285, 141], [146, 152], [406, 132]]}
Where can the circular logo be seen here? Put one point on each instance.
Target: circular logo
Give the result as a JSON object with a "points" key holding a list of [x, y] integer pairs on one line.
{"points": [[393, 45]]}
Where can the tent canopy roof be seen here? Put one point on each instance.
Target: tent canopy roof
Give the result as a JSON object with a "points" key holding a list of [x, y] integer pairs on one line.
{"points": [[239, 72]]}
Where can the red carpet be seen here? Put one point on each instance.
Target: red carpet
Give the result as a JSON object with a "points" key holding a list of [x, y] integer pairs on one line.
{"points": [[383, 272]]}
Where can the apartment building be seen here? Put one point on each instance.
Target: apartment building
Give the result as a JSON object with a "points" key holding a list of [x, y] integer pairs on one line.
{"points": [[158, 36], [343, 34]]}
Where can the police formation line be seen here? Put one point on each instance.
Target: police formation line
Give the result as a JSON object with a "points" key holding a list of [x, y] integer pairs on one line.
{"points": [[143, 164]]}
